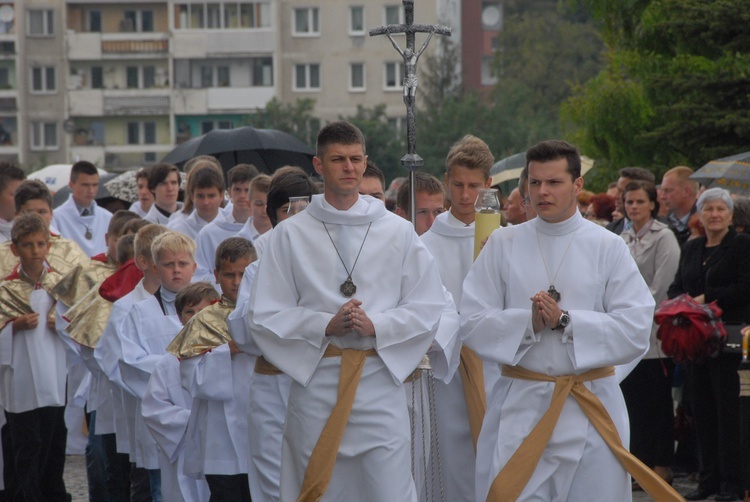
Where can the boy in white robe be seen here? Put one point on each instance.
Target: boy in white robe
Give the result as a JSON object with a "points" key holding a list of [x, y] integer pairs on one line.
{"points": [[80, 218], [553, 297], [145, 200], [32, 367], [207, 193], [218, 376], [335, 321], [164, 181], [145, 333], [450, 239], [269, 392], [166, 407], [248, 195], [107, 353]]}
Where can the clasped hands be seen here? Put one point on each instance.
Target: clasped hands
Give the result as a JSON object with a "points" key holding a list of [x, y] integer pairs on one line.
{"points": [[350, 317], [545, 312]]}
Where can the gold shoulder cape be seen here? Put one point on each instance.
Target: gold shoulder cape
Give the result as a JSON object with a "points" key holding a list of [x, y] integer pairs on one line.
{"points": [[15, 294], [206, 331], [88, 318], [82, 279], [64, 255]]}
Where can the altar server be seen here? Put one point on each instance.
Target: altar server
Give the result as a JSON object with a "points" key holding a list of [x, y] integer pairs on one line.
{"points": [[207, 188]]}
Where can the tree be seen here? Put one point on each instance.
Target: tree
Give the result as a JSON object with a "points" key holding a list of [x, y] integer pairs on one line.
{"points": [[294, 118], [679, 71]]}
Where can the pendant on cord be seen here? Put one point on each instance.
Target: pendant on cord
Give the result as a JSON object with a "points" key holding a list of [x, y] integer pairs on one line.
{"points": [[348, 288], [555, 294]]}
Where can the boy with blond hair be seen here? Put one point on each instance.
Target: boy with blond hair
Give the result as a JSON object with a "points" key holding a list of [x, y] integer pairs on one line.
{"points": [[107, 353], [218, 376], [166, 406], [147, 330], [32, 366]]}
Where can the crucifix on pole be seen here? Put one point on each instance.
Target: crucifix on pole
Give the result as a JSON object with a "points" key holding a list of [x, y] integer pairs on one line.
{"points": [[411, 161]]}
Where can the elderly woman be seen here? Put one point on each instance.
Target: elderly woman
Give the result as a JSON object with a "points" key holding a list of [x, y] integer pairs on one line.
{"points": [[648, 388], [716, 267]]}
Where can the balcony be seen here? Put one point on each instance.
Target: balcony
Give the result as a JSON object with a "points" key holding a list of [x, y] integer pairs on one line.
{"points": [[95, 46], [219, 43], [98, 103], [221, 99], [136, 105]]}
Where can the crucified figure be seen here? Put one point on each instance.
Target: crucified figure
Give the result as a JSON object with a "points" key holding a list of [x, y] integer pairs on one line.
{"points": [[410, 81]]}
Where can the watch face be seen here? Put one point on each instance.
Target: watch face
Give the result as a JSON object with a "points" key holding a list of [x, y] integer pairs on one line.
{"points": [[564, 319]]}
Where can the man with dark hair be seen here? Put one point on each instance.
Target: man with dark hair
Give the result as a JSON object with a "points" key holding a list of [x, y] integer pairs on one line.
{"points": [[206, 193], [342, 325], [142, 206], [164, 182], [10, 177], [373, 182], [80, 218], [430, 201], [627, 174], [570, 307]]}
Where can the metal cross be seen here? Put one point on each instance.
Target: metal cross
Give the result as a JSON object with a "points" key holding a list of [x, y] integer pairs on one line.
{"points": [[411, 160]]}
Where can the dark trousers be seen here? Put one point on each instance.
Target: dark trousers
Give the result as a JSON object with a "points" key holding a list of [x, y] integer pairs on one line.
{"points": [[39, 437], [8, 467], [648, 395], [140, 485], [96, 462], [118, 470], [233, 488], [716, 406]]}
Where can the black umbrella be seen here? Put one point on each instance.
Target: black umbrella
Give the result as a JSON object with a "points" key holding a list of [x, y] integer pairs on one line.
{"points": [[266, 149], [62, 195], [732, 173]]}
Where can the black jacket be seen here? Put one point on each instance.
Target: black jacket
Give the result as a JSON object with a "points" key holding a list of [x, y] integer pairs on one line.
{"points": [[725, 277]]}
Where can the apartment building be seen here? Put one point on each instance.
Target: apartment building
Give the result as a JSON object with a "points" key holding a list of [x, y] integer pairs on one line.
{"points": [[119, 83]]}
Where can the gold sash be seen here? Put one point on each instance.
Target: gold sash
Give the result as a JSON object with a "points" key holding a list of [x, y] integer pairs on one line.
{"points": [[205, 331], [82, 279], [63, 256], [263, 367], [15, 295], [472, 378], [323, 458], [516, 473], [88, 318]]}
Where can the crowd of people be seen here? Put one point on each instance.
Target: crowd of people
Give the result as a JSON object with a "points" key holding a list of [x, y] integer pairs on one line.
{"points": [[255, 337]]}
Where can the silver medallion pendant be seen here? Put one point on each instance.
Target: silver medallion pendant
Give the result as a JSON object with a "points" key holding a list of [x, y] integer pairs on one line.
{"points": [[555, 294], [88, 234], [348, 288]]}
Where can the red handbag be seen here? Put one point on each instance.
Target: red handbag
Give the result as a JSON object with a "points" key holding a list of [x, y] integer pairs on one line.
{"points": [[689, 330]]}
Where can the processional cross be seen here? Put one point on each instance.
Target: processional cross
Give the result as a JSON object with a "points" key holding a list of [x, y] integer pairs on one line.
{"points": [[411, 161]]}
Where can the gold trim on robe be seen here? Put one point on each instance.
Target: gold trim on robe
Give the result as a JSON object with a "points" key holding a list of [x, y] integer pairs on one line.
{"points": [[15, 294], [88, 318], [82, 279], [64, 255], [205, 331]]}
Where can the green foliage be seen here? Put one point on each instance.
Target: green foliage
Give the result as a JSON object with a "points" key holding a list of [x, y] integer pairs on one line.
{"points": [[385, 146], [675, 88], [295, 118]]}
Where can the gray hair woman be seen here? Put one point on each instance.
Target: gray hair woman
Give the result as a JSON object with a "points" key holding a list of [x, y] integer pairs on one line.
{"points": [[715, 267]]}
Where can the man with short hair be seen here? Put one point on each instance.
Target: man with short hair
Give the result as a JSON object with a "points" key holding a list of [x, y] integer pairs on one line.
{"points": [[679, 194], [164, 182], [514, 208], [373, 182], [342, 325], [430, 201], [80, 218], [627, 174], [558, 302], [10, 177], [451, 242], [142, 206]]}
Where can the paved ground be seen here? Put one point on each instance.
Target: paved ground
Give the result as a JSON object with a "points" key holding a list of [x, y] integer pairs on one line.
{"points": [[75, 481]]}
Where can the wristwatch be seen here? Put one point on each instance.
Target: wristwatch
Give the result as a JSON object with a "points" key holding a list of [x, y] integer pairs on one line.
{"points": [[564, 320]]}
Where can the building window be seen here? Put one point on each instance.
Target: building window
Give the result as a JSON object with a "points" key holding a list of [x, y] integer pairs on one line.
{"points": [[140, 77], [394, 14], [262, 72], [137, 21], [97, 77], [357, 20], [215, 76], [131, 77], [43, 79], [41, 23], [44, 136], [394, 76], [357, 77], [306, 77], [210, 125], [306, 22], [141, 133], [5, 78], [94, 21], [222, 15], [149, 77]]}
